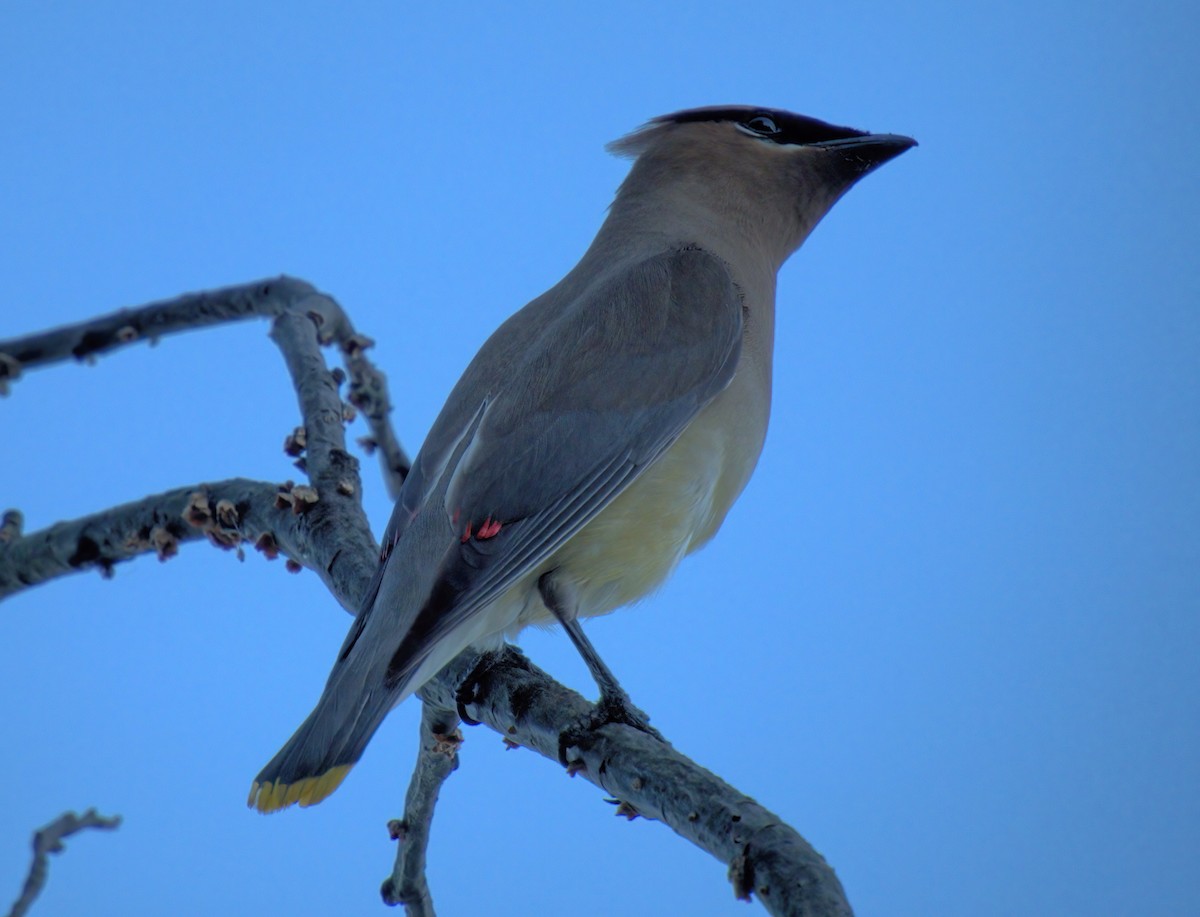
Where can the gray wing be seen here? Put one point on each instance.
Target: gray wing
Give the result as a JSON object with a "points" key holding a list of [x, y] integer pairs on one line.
{"points": [[561, 410]]}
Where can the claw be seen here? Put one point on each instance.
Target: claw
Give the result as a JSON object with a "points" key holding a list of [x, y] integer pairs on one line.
{"points": [[467, 691], [613, 707], [618, 708]]}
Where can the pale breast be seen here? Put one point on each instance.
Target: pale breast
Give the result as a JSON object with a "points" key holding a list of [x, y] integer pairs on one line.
{"points": [[631, 547]]}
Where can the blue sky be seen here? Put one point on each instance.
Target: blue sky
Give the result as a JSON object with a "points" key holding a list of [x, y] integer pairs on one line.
{"points": [[950, 632]]}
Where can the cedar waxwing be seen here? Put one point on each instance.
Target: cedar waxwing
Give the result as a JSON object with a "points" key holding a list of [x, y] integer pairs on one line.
{"points": [[603, 432]]}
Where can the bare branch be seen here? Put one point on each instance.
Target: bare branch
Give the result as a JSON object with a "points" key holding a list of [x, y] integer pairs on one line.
{"points": [[334, 534], [649, 778], [85, 340], [227, 513], [334, 515], [316, 390], [259, 299], [437, 759], [369, 394], [323, 527], [50, 840]]}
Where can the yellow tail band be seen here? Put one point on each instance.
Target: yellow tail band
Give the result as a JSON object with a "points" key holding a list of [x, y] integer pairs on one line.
{"points": [[271, 797]]}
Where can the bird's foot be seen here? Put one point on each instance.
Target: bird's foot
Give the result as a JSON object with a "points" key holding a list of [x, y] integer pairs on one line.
{"points": [[614, 706], [469, 691]]}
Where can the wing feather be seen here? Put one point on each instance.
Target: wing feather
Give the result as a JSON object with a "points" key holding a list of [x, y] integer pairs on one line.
{"points": [[557, 416]]}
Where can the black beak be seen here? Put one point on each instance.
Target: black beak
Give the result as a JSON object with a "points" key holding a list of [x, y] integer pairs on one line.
{"points": [[868, 152]]}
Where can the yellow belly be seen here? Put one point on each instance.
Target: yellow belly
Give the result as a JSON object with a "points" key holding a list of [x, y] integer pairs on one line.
{"points": [[677, 505]]}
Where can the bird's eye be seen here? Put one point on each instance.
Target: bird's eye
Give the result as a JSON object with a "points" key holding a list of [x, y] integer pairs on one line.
{"points": [[763, 125]]}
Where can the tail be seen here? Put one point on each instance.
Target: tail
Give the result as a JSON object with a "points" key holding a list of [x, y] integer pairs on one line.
{"points": [[402, 637], [318, 757]]}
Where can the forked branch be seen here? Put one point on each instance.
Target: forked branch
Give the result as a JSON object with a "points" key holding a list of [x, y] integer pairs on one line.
{"points": [[321, 525]]}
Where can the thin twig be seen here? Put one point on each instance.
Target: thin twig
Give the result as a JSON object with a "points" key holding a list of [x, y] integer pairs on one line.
{"points": [[369, 394], [437, 759], [50, 840]]}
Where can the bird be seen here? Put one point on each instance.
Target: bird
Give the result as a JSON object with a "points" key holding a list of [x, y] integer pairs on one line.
{"points": [[602, 432]]}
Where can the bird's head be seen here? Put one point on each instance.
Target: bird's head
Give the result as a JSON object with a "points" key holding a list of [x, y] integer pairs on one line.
{"points": [[768, 171]]}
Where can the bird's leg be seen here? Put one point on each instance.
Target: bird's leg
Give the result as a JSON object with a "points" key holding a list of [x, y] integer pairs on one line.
{"points": [[614, 705], [559, 600]]}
